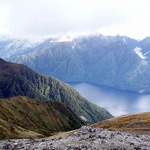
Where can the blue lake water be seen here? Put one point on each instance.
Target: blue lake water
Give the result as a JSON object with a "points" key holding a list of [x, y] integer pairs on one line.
{"points": [[117, 102]]}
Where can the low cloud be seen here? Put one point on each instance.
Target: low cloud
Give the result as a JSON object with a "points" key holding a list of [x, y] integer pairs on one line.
{"points": [[45, 17], [39, 18]]}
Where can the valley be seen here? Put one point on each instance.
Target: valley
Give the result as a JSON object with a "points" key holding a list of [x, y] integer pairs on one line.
{"points": [[16, 79], [74, 75], [111, 72]]}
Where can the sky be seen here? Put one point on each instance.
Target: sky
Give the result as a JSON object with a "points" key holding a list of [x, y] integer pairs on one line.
{"points": [[47, 18]]}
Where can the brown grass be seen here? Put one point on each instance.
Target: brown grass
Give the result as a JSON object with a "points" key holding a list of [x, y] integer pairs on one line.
{"points": [[9, 130], [22, 117], [139, 123], [62, 134]]}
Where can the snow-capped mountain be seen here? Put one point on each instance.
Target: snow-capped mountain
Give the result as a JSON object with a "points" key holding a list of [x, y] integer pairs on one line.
{"points": [[116, 61], [11, 48]]}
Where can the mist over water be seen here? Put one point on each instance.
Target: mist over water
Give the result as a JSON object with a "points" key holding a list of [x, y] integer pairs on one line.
{"points": [[117, 102]]}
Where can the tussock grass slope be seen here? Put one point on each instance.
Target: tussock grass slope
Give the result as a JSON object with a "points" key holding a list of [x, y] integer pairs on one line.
{"points": [[22, 117], [139, 122]]}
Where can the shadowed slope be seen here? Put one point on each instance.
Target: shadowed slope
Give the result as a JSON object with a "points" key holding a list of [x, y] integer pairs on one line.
{"points": [[22, 117]]}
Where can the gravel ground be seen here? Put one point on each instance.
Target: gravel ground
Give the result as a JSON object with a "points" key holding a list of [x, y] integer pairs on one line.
{"points": [[87, 138]]}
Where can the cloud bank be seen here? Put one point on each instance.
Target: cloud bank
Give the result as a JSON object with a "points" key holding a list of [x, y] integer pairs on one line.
{"points": [[41, 18]]}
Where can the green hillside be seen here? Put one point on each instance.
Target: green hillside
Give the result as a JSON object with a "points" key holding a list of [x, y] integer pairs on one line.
{"points": [[18, 79]]}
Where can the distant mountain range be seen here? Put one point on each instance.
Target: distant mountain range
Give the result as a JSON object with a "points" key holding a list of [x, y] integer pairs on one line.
{"points": [[22, 117], [11, 48], [16, 79], [114, 61]]}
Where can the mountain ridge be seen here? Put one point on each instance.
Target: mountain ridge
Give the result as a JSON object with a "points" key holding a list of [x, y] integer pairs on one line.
{"points": [[114, 61], [16, 79]]}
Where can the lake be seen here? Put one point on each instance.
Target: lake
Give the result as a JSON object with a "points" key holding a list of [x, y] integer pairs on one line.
{"points": [[117, 102]]}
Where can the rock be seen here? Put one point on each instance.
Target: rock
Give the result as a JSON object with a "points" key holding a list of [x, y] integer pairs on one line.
{"points": [[87, 138], [7, 146]]}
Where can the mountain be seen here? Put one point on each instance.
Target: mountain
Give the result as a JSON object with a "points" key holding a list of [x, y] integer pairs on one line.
{"points": [[22, 117], [114, 61], [137, 123], [11, 48], [18, 79]]}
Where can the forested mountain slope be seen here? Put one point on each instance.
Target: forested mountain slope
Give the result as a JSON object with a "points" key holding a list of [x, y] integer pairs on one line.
{"points": [[18, 79], [118, 61]]}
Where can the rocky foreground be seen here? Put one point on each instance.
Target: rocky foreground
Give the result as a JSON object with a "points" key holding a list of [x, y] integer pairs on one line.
{"points": [[86, 138]]}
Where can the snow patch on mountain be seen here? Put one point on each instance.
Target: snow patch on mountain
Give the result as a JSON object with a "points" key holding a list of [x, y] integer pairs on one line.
{"points": [[74, 44], [124, 40], [13, 48], [64, 39], [34, 42], [138, 51], [15, 44]]}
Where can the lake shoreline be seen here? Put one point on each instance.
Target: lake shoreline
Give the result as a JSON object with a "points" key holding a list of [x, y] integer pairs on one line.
{"points": [[117, 102], [123, 90]]}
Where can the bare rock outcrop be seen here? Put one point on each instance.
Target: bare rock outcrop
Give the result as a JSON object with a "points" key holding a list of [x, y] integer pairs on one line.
{"points": [[87, 138]]}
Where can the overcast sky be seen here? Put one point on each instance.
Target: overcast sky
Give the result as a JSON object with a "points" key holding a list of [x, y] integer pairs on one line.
{"points": [[42, 18]]}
